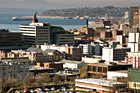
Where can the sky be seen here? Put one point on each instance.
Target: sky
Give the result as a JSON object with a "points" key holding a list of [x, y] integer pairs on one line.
{"points": [[57, 4]]}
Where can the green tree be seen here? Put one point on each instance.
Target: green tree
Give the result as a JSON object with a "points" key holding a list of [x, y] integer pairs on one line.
{"points": [[83, 72]]}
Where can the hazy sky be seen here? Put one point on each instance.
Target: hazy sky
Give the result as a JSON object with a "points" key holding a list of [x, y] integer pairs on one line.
{"points": [[50, 4]]}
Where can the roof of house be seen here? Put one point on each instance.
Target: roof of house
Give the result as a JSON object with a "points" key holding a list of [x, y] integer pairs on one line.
{"points": [[34, 49]]}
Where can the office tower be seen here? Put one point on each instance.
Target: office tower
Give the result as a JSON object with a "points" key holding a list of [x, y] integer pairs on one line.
{"points": [[36, 33]]}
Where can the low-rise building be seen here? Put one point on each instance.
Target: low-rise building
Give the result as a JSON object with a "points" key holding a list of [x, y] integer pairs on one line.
{"points": [[72, 64], [134, 59], [14, 67], [133, 80], [99, 85], [114, 54], [100, 70]]}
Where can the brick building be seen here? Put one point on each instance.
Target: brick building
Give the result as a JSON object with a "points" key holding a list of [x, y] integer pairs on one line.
{"points": [[99, 70]]}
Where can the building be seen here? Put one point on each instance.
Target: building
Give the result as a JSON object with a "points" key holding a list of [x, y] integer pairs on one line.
{"points": [[59, 36], [132, 10], [114, 54], [85, 31], [133, 80], [116, 75], [133, 29], [55, 65], [105, 34], [134, 59], [72, 64], [92, 59], [11, 40], [133, 42], [100, 70], [136, 19], [14, 67], [66, 38], [121, 39], [74, 53], [97, 24], [36, 33], [116, 32], [99, 85]]}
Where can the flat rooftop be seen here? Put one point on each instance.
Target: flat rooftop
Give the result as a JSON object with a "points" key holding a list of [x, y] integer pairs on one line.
{"points": [[99, 82]]}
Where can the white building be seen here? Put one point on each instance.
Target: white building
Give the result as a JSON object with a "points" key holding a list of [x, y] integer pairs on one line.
{"points": [[114, 54], [72, 64], [113, 75], [133, 42], [36, 33]]}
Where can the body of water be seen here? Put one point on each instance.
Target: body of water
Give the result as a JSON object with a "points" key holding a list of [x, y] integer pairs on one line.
{"points": [[7, 23]]}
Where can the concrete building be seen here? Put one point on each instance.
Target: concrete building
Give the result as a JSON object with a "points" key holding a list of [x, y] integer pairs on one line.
{"points": [[36, 33], [62, 39], [114, 54], [133, 42], [99, 85]]}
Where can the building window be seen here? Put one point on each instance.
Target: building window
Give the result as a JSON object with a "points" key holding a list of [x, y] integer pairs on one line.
{"points": [[104, 70], [89, 68], [99, 69], [94, 68]]}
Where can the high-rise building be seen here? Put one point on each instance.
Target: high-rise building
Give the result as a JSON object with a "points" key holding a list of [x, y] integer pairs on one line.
{"points": [[36, 33]]}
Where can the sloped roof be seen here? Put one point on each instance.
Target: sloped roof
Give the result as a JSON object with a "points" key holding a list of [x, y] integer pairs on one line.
{"points": [[49, 50], [34, 49]]}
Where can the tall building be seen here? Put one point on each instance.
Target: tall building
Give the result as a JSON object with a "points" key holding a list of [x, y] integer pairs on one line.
{"points": [[36, 33], [132, 10]]}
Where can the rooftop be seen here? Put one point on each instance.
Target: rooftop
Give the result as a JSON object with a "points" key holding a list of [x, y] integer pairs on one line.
{"points": [[99, 82]]}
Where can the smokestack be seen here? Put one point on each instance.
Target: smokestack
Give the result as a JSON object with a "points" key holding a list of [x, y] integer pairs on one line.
{"points": [[87, 23]]}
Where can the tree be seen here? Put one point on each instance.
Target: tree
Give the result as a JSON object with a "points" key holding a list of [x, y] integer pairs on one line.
{"points": [[83, 72], [56, 78]]}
